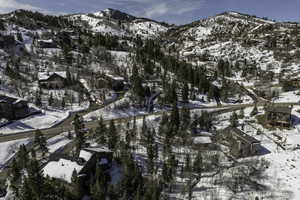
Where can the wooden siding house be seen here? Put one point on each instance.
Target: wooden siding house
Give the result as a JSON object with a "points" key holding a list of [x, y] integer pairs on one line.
{"points": [[279, 116], [115, 82], [239, 143], [63, 165], [295, 82], [52, 80], [13, 108]]}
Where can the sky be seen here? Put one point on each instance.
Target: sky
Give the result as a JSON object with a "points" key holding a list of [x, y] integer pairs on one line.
{"points": [[171, 11]]}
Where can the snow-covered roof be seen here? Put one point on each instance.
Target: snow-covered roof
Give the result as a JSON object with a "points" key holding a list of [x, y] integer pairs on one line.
{"points": [[46, 41], [116, 78], [85, 155], [47, 75], [98, 149], [62, 169], [202, 140], [11, 100]]}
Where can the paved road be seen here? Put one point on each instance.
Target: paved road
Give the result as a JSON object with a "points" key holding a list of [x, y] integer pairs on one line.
{"points": [[66, 125]]}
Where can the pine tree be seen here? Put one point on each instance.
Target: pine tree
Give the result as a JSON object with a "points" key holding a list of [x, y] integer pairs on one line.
{"points": [[15, 172], [63, 103], [69, 76], [101, 132], [40, 141], [38, 100], [254, 111], [25, 190], [234, 120], [50, 100], [185, 93], [198, 163], [79, 132], [150, 158], [242, 114], [98, 191], [22, 156], [185, 118], [77, 192], [36, 179], [113, 137], [174, 119]]}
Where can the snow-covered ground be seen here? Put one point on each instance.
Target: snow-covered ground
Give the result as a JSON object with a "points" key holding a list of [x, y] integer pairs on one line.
{"points": [[47, 119], [62, 169], [8, 149], [283, 172], [288, 97], [57, 142]]}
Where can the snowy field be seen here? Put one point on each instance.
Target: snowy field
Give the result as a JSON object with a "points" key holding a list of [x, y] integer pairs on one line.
{"points": [[47, 119], [288, 97], [283, 172], [8, 149], [58, 142]]}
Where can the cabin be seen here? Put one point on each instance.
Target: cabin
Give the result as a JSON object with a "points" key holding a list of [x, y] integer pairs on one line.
{"points": [[295, 82], [117, 83], [278, 116], [239, 143], [13, 108], [62, 167], [52, 80]]}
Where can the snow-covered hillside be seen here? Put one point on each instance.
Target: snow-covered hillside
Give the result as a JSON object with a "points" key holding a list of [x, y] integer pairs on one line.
{"points": [[114, 22]]}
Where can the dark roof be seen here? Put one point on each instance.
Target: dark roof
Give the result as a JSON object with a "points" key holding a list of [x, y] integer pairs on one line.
{"points": [[98, 150], [7, 99], [279, 109], [243, 135], [10, 100]]}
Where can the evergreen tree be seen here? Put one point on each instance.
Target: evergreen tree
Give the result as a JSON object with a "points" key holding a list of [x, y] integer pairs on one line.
{"points": [[40, 141], [50, 100], [36, 179], [25, 190], [97, 191], [69, 76], [113, 137], [15, 172], [174, 119], [242, 114], [22, 156], [185, 93], [234, 120], [38, 100], [63, 103], [79, 132], [77, 187], [254, 111], [101, 132]]}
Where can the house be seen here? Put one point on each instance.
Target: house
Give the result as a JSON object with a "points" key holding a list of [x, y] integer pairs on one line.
{"points": [[115, 82], [85, 165], [52, 80], [295, 82], [278, 115], [204, 143], [13, 108], [45, 44], [239, 143]]}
